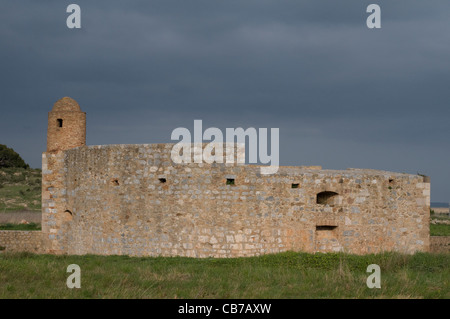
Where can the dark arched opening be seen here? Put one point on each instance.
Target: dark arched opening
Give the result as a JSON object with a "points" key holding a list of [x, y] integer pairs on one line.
{"points": [[326, 198]]}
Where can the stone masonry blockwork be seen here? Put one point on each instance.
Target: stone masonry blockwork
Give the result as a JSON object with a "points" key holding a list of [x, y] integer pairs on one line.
{"points": [[17, 240], [111, 200]]}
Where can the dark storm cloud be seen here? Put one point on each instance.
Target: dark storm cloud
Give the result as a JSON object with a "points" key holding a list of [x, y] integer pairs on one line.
{"points": [[341, 94]]}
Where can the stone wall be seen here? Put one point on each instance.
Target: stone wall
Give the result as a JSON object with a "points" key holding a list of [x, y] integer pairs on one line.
{"points": [[20, 241], [133, 200], [53, 202], [440, 244]]}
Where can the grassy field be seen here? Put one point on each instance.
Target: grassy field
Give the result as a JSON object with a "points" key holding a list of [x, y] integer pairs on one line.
{"points": [[20, 189], [30, 226], [285, 275], [439, 230]]}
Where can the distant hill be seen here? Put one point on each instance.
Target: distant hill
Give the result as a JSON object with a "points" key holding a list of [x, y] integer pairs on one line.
{"points": [[439, 204]]}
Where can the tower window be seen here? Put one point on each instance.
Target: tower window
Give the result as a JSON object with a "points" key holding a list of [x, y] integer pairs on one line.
{"points": [[295, 185], [59, 122], [162, 180], [230, 181]]}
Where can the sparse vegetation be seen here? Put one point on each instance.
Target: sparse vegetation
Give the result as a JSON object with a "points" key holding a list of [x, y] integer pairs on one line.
{"points": [[285, 275], [20, 189]]}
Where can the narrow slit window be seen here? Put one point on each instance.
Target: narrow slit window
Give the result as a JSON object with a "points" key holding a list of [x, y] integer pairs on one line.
{"points": [[59, 122], [295, 185], [230, 181], [325, 227]]}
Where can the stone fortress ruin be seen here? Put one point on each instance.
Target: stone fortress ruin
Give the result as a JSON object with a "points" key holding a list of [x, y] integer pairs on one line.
{"points": [[133, 200]]}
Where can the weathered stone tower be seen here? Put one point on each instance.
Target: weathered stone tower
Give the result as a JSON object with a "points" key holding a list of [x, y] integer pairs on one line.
{"points": [[66, 130], [66, 126]]}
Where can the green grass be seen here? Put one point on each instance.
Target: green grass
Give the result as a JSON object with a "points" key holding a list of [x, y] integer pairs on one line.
{"points": [[285, 275], [439, 230], [30, 226], [20, 189]]}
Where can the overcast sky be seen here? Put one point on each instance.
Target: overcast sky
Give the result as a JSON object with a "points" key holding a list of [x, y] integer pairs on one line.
{"points": [[341, 94]]}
